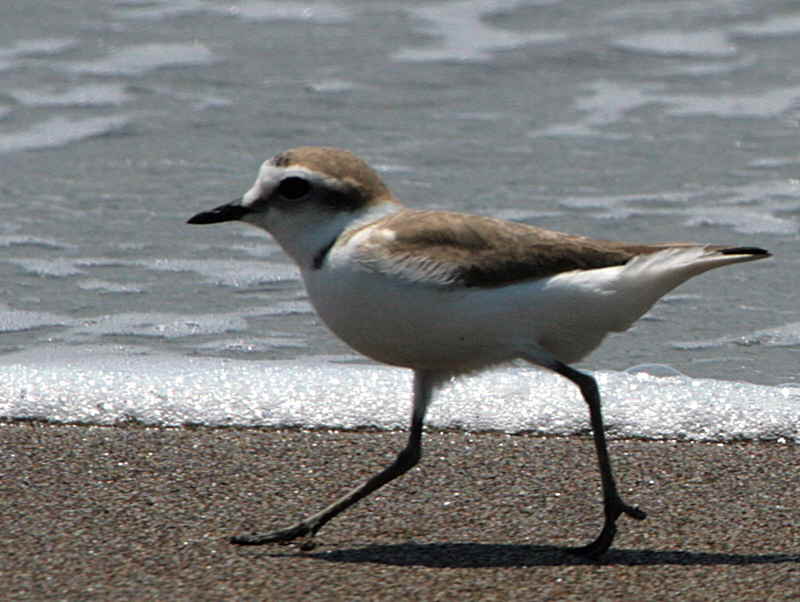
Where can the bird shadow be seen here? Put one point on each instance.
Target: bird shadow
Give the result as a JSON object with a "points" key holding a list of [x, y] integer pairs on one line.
{"points": [[479, 555]]}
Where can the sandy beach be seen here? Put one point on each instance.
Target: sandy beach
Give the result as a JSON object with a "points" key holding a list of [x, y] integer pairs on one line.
{"points": [[136, 513]]}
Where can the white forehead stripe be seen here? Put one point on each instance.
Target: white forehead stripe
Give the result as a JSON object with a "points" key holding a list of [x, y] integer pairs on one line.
{"points": [[270, 176], [269, 172]]}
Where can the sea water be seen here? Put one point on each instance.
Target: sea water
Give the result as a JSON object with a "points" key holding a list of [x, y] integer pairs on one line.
{"points": [[670, 120]]}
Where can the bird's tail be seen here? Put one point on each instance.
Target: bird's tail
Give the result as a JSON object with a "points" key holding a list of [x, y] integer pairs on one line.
{"points": [[647, 278]]}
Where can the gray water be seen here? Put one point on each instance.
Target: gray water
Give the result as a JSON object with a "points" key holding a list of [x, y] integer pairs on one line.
{"points": [[667, 120]]}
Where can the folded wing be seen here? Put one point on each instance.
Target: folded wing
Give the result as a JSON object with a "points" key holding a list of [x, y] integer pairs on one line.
{"points": [[445, 249]]}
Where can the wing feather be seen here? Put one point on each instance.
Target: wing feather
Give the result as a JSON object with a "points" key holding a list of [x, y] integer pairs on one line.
{"points": [[445, 248]]}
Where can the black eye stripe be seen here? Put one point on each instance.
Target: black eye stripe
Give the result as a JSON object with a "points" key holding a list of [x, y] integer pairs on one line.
{"points": [[293, 187]]}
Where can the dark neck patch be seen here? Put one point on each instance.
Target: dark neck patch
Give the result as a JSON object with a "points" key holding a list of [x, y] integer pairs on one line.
{"points": [[321, 255]]}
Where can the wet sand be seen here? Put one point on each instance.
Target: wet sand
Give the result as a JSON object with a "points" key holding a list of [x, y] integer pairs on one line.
{"points": [[135, 513]]}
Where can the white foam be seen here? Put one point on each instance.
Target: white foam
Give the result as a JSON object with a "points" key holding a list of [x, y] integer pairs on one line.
{"points": [[53, 267], [291, 307], [787, 335], [323, 13], [677, 11], [107, 386], [88, 95], [140, 59], [16, 320], [462, 33], [709, 44], [228, 272], [331, 86], [160, 325], [603, 104], [60, 131], [164, 9], [221, 272], [608, 103], [706, 68], [741, 220], [783, 25], [255, 345], [25, 240], [38, 47], [767, 104], [773, 198], [104, 287]]}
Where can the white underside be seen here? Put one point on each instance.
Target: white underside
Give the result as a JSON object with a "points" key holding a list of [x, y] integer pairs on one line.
{"points": [[457, 329]]}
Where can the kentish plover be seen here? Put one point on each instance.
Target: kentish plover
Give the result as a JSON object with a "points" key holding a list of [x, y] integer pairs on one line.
{"points": [[446, 293]]}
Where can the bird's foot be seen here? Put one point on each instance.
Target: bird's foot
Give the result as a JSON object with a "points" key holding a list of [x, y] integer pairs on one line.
{"points": [[283, 536], [598, 547]]}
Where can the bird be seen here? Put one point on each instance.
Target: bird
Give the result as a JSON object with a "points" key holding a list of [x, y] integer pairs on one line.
{"points": [[445, 294]]}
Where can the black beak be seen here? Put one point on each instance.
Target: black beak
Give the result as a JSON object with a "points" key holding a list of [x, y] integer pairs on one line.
{"points": [[224, 213]]}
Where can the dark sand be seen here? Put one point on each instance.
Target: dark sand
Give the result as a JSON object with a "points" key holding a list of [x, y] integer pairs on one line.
{"points": [[134, 513]]}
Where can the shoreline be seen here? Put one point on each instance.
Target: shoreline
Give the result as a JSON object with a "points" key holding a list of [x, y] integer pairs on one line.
{"points": [[135, 512]]}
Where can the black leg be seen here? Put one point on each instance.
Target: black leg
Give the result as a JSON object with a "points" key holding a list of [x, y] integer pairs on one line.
{"points": [[424, 383], [612, 502]]}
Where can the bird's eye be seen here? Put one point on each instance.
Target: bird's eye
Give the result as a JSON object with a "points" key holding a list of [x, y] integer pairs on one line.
{"points": [[293, 188]]}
